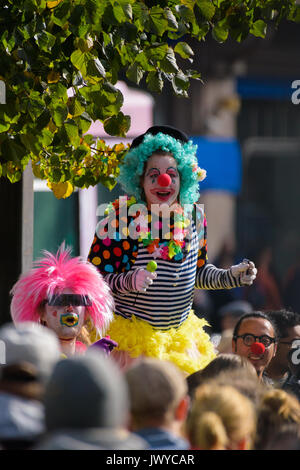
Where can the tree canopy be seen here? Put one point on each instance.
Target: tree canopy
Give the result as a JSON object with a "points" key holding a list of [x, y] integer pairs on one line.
{"points": [[60, 62]]}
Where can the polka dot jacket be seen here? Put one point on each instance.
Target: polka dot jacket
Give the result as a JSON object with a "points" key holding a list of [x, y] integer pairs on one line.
{"points": [[118, 253]]}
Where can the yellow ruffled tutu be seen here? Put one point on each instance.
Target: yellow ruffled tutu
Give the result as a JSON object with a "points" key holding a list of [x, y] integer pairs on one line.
{"points": [[188, 346]]}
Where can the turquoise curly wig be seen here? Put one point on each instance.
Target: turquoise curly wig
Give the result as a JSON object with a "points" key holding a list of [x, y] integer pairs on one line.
{"points": [[184, 153]]}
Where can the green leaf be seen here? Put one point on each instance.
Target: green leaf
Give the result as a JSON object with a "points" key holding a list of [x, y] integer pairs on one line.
{"points": [[46, 40], [185, 13], [194, 74], [181, 81], [294, 14], [188, 3], [35, 108], [220, 33], [155, 82], [4, 126], [119, 13], [72, 132], [95, 70], [135, 73], [184, 50], [14, 177], [43, 119], [143, 61], [76, 108], [59, 114], [82, 44], [31, 143], [12, 151], [61, 13], [259, 29], [56, 175], [55, 160], [80, 60], [45, 138], [141, 15], [127, 7], [180, 84], [168, 64], [108, 181], [159, 20], [84, 122], [9, 113], [207, 8], [171, 18], [58, 92], [80, 153], [117, 125], [122, 12], [157, 51], [79, 181]]}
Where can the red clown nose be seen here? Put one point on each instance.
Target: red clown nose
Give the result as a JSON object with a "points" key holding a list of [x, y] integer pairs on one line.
{"points": [[164, 180], [258, 349]]}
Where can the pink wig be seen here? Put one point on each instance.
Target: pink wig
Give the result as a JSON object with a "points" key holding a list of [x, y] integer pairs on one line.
{"points": [[50, 276]]}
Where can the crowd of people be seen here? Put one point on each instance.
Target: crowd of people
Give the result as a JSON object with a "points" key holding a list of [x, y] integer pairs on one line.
{"points": [[108, 353], [241, 400]]}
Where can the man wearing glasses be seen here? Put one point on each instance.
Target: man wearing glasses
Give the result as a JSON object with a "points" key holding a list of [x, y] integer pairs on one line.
{"points": [[288, 327], [255, 338]]}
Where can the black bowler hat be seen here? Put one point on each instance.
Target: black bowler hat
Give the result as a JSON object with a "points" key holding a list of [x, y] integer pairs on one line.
{"points": [[169, 130]]}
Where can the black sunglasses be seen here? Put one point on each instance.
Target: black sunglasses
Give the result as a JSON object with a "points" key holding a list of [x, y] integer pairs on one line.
{"points": [[63, 300]]}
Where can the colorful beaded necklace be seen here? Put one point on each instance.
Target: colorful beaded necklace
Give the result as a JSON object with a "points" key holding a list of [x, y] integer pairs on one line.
{"points": [[166, 249]]}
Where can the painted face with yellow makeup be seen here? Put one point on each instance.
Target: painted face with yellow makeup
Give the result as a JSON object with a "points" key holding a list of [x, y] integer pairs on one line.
{"points": [[65, 315]]}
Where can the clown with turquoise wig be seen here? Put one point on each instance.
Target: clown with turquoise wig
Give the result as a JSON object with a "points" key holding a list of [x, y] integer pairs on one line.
{"points": [[151, 249]]}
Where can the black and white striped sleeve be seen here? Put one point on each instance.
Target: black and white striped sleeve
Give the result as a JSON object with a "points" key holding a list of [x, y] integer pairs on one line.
{"points": [[211, 277], [122, 283]]}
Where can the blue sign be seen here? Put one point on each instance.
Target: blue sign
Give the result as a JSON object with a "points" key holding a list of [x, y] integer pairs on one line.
{"points": [[222, 160]]}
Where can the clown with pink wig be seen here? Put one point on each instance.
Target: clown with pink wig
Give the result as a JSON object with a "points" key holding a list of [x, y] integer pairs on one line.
{"points": [[67, 295]]}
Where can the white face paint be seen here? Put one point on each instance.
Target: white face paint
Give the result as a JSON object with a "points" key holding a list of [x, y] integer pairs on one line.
{"points": [[65, 321], [158, 165]]}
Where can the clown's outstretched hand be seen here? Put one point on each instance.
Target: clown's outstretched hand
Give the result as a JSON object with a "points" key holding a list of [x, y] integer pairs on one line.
{"points": [[246, 272]]}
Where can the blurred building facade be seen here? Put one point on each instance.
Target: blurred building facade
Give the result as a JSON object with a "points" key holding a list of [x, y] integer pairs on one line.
{"points": [[248, 131]]}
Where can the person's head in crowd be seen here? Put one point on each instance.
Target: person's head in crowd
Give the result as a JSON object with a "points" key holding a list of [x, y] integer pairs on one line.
{"points": [[244, 380], [230, 313], [220, 364], [28, 354], [29, 348], [287, 437], [224, 345], [158, 396], [221, 418], [288, 327], [86, 405], [255, 337], [277, 409]]}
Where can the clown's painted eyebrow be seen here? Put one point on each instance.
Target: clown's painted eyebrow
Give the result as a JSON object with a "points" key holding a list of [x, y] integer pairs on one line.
{"points": [[172, 168], [154, 168]]}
